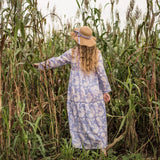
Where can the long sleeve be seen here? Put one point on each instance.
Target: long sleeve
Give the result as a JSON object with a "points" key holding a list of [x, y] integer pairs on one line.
{"points": [[55, 62], [102, 77]]}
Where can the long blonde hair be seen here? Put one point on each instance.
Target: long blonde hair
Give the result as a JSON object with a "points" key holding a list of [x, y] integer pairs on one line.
{"points": [[88, 57]]}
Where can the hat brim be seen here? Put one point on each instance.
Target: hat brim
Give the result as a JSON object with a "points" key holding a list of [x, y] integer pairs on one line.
{"points": [[83, 41]]}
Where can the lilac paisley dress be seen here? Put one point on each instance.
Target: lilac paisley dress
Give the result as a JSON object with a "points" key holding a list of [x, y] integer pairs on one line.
{"points": [[85, 105]]}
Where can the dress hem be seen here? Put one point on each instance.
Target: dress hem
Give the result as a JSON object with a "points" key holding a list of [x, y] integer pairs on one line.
{"points": [[90, 148]]}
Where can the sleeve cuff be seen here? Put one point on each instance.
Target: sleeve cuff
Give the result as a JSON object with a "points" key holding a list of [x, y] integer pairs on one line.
{"points": [[40, 67]]}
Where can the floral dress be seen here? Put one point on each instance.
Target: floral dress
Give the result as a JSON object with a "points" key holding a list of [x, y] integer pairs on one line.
{"points": [[85, 105]]}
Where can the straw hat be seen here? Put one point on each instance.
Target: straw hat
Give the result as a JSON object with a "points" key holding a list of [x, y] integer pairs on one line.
{"points": [[83, 36]]}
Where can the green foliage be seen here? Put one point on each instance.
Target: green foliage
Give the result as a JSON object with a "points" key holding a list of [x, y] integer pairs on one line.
{"points": [[66, 150]]}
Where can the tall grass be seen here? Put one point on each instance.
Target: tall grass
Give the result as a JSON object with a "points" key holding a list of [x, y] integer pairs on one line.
{"points": [[33, 116]]}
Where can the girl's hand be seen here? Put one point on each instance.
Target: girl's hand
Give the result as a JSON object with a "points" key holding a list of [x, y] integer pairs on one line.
{"points": [[106, 97], [35, 65]]}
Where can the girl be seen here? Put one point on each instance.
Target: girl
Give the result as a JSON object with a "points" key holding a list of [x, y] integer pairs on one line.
{"points": [[88, 89]]}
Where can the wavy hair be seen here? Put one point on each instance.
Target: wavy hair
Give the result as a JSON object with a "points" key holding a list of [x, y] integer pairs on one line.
{"points": [[88, 57]]}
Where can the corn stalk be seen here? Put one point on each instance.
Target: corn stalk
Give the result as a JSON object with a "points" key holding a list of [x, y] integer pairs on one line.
{"points": [[3, 38]]}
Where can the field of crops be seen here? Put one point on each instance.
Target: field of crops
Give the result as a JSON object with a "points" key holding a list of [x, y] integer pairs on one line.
{"points": [[33, 115]]}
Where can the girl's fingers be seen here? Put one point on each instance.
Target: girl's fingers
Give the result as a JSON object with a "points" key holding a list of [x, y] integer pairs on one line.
{"points": [[35, 65], [109, 97]]}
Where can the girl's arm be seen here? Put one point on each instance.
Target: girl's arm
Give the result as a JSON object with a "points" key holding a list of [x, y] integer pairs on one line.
{"points": [[54, 62], [103, 79]]}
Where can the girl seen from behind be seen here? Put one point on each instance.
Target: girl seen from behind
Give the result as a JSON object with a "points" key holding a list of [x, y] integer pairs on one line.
{"points": [[87, 90]]}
